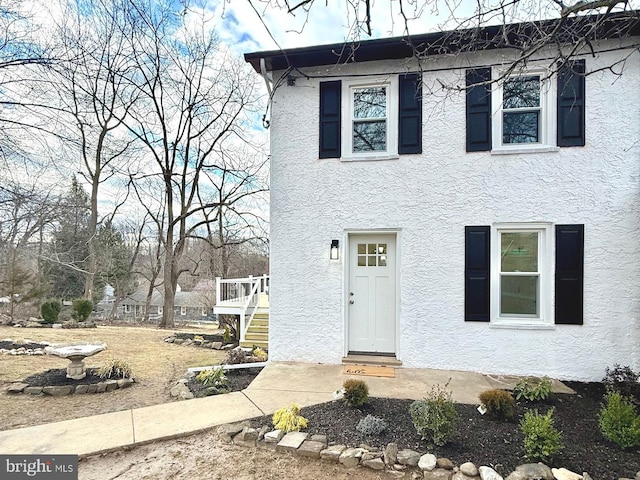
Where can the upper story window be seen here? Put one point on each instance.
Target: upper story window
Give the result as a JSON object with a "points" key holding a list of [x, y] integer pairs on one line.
{"points": [[373, 118], [537, 110], [369, 118], [372, 113], [521, 110]]}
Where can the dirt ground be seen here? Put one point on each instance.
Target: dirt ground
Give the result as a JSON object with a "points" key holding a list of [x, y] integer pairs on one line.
{"points": [[203, 457], [156, 366]]}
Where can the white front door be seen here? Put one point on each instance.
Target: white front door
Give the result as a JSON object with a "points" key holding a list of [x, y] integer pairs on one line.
{"points": [[371, 293]]}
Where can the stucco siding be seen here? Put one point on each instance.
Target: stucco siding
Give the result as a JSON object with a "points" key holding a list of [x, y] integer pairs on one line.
{"points": [[429, 199]]}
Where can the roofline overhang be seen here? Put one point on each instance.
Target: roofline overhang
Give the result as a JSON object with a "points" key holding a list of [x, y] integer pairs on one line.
{"points": [[567, 31]]}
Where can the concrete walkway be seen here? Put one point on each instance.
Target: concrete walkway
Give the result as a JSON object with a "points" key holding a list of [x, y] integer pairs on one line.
{"points": [[277, 385]]}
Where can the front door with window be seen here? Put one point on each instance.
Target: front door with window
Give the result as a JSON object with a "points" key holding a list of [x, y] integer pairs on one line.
{"points": [[371, 294]]}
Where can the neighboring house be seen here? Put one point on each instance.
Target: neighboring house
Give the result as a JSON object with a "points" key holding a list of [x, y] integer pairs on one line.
{"points": [[422, 214], [188, 305]]}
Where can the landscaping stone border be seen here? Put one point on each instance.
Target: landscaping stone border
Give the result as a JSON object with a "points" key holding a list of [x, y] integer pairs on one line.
{"points": [[396, 463], [62, 390]]}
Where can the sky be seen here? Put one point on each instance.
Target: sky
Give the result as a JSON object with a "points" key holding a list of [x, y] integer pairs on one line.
{"points": [[256, 25]]}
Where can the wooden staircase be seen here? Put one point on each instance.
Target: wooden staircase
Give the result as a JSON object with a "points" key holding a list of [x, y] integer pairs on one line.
{"points": [[258, 331]]}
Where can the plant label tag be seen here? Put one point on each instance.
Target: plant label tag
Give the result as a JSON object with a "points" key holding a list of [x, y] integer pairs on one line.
{"points": [[482, 409]]}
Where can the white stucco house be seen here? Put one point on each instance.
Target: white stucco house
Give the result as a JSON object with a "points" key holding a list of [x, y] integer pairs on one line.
{"points": [[451, 213]]}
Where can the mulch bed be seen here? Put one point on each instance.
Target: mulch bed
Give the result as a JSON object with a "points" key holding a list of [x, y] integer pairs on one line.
{"points": [[57, 377], [485, 441], [237, 380]]}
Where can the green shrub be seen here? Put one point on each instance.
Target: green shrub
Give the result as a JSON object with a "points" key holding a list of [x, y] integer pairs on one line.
{"points": [[288, 419], [499, 403], [81, 309], [371, 425], [356, 392], [533, 389], [619, 421], [542, 440], [212, 377], [435, 417], [623, 379], [260, 354], [115, 368], [50, 311]]}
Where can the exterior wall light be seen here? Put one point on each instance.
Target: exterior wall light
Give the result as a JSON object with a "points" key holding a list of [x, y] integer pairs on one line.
{"points": [[334, 250]]}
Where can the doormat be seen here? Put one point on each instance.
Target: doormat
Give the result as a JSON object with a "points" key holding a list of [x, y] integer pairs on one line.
{"points": [[369, 370]]}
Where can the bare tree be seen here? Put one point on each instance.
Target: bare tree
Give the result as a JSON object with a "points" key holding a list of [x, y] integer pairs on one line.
{"points": [[92, 92], [192, 97]]}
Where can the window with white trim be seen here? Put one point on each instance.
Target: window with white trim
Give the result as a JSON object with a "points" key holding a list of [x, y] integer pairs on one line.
{"points": [[183, 310], [371, 119], [160, 309], [521, 274], [525, 112]]}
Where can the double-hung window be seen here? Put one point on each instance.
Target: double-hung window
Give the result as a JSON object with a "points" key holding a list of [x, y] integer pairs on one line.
{"points": [[371, 116], [537, 110], [525, 119], [520, 274]]}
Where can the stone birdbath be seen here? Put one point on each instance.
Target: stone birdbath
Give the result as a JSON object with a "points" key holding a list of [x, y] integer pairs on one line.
{"points": [[76, 353]]}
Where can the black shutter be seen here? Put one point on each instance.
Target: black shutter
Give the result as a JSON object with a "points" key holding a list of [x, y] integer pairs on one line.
{"points": [[410, 114], [478, 110], [477, 260], [569, 274], [330, 94], [571, 104]]}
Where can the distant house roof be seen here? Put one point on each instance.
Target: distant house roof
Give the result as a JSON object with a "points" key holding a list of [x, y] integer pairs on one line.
{"points": [[567, 30]]}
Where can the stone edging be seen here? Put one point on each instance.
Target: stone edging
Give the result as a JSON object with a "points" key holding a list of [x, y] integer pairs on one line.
{"points": [[62, 390], [396, 463]]}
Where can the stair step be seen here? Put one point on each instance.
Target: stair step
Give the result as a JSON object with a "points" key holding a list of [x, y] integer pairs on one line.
{"points": [[255, 343], [256, 336], [258, 328]]}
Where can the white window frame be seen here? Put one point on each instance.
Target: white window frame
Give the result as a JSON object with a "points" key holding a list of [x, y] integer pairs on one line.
{"points": [[127, 308], [203, 311], [160, 309], [544, 318], [183, 310], [548, 109], [348, 86]]}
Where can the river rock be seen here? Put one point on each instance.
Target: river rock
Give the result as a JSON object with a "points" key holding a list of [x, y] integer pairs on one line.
{"points": [[488, 473], [427, 462], [531, 471], [564, 474], [391, 453], [469, 469], [408, 457]]}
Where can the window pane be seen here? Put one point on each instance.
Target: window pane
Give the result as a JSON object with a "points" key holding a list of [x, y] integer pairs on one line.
{"points": [[382, 262], [521, 92], [382, 248], [519, 295], [362, 248], [362, 261], [519, 252], [370, 102], [520, 127], [370, 136], [371, 248], [372, 261]]}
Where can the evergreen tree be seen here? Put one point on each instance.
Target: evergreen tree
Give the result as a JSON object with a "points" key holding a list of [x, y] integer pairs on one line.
{"points": [[70, 250]]}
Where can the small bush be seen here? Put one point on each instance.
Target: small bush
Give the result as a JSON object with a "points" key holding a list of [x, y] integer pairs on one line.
{"points": [[115, 368], [288, 419], [235, 356], [226, 336], [619, 421], [371, 425], [499, 403], [212, 377], [81, 309], [198, 338], [542, 440], [50, 310], [623, 379], [533, 389], [435, 417], [356, 392], [260, 354]]}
